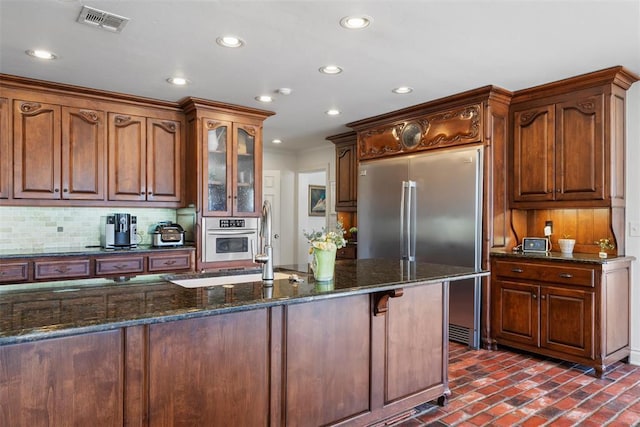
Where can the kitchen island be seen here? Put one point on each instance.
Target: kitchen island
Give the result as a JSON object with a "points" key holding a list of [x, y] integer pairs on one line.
{"points": [[365, 347]]}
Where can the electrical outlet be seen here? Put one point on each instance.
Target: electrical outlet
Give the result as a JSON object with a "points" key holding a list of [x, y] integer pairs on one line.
{"points": [[548, 228]]}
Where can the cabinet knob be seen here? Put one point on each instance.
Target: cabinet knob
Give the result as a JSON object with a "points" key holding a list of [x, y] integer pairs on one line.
{"points": [[66, 190], [534, 296], [276, 236], [150, 193], [56, 190], [142, 193], [543, 297]]}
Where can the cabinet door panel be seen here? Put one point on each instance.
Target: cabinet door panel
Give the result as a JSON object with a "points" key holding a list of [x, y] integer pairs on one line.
{"points": [[169, 262], [533, 154], [217, 161], [517, 314], [414, 355], [56, 270], [568, 320], [164, 160], [127, 157], [14, 271], [328, 363], [5, 158], [119, 265], [201, 374], [83, 154], [247, 183], [346, 180], [580, 149], [36, 150], [72, 381]]}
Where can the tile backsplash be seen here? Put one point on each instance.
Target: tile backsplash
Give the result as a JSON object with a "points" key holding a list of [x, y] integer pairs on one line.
{"points": [[25, 228]]}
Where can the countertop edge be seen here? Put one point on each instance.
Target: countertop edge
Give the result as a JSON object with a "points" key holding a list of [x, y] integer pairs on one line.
{"points": [[59, 332]]}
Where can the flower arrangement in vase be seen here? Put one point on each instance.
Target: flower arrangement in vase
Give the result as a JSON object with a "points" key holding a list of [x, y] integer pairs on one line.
{"points": [[604, 244], [323, 246]]}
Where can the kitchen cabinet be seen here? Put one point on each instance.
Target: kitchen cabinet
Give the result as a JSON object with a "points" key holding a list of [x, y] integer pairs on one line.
{"points": [[14, 271], [201, 371], [233, 154], [66, 268], [169, 262], [568, 142], [5, 153], [346, 171], [145, 158], [58, 152], [118, 265], [347, 252], [76, 380], [576, 312]]}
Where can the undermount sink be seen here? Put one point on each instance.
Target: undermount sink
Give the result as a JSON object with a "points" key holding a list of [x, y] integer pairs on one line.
{"points": [[224, 280]]}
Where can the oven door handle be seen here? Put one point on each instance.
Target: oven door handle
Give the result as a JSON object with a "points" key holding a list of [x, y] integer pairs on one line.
{"points": [[230, 233]]}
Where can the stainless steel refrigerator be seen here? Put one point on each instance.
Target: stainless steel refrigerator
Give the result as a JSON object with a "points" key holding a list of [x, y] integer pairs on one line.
{"points": [[427, 207]]}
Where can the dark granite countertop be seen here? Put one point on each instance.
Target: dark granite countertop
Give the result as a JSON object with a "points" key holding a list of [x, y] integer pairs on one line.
{"points": [[559, 256], [38, 311], [85, 251]]}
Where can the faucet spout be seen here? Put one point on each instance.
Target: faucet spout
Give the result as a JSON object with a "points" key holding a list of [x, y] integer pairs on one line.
{"points": [[265, 257]]}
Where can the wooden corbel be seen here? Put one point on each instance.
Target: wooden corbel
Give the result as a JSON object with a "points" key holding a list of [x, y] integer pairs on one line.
{"points": [[381, 303]]}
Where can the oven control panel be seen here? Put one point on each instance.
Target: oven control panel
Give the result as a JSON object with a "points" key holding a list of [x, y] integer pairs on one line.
{"points": [[232, 223]]}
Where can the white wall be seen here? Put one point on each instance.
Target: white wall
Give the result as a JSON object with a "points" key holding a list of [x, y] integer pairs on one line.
{"points": [[307, 223], [632, 196]]}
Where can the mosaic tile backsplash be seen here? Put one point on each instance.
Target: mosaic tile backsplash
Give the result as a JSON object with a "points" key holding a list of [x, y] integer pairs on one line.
{"points": [[28, 228]]}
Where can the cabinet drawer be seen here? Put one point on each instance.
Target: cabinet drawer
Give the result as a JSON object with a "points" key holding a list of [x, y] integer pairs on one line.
{"points": [[348, 252], [61, 269], [14, 272], [108, 266], [169, 262], [546, 273]]}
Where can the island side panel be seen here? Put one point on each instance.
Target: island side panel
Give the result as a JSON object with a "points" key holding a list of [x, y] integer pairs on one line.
{"points": [[327, 361], [210, 371], [415, 345]]}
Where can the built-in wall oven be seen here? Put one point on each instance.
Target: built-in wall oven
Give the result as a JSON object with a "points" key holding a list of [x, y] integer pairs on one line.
{"points": [[229, 239]]}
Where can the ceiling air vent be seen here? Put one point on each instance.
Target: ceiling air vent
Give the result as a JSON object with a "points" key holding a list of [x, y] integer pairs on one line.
{"points": [[101, 19]]}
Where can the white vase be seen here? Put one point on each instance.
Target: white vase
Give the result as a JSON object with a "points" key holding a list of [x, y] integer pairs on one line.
{"points": [[602, 254], [566, 245]]}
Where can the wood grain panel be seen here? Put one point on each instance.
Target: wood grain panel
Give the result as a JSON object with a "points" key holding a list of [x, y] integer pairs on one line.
{"points": [[327, 360], [211, 371], [72, 381], [414, 354], [127, 157], [164, 160], [568, 316], [616, 286], [6, 163]]}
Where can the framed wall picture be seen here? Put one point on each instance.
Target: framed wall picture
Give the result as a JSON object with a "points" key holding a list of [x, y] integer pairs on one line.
{"points": [[317, 200]]}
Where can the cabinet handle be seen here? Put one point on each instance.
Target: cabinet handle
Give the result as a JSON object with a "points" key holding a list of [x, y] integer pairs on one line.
{"points": [[516, 270], [62, 269], [170, 262], [534, 296], [120, 266], [566, 275]]}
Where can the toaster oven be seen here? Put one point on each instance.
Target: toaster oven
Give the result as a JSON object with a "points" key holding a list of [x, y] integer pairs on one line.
{"points": [[167, 234]]}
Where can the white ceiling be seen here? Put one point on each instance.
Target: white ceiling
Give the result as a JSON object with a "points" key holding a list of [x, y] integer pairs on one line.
{"points": [[438, 47]]}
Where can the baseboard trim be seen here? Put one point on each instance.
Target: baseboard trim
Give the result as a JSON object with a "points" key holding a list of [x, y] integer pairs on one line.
{"points": [[634, 357]]}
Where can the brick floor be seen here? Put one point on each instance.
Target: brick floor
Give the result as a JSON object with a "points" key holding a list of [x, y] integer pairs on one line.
{"points": [[507, 388]]}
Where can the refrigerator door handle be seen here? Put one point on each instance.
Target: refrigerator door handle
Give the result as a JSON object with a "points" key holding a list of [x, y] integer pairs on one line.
{"points": [[411, 233], [406, 227]]}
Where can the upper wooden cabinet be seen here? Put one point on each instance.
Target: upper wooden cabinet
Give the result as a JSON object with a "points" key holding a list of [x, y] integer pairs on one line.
{"points": [[568, 142], [346, 171], [5, 157], [145, 158], [58, 152], [230, 163], [227, 141]]}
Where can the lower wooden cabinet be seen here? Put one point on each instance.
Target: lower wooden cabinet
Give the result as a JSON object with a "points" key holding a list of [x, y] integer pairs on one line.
{"points": [[577, 312], [71, 381], [352, 360]]}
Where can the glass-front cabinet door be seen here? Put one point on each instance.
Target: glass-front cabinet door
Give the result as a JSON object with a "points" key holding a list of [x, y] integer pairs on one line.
{"points": [[230, 166], [245, 172], [217, 167]]}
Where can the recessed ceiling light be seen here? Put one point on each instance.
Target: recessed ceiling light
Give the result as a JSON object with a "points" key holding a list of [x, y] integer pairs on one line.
{"points": [[276, 141], [355, 22], [402, 90], [42, 54], [264, 98], [333, 112], [330, 69], [230, 41], [178, 81]]}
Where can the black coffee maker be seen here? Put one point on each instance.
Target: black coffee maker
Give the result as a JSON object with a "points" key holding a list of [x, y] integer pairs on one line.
{"points": [[118, 231]]}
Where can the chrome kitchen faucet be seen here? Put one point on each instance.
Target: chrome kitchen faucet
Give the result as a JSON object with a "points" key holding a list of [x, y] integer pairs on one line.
{"points": [[265, 257]]}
